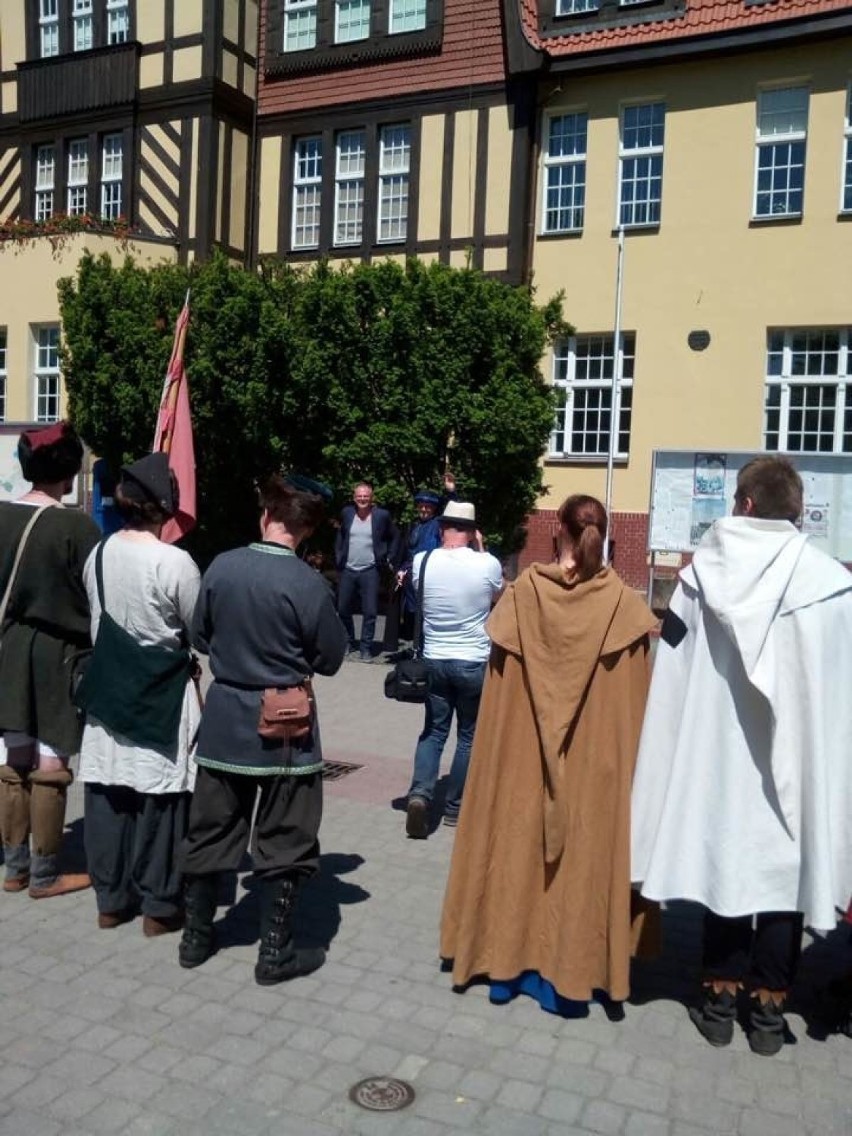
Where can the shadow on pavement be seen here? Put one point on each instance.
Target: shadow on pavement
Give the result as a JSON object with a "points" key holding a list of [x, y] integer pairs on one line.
{"points": [[318, 913]]}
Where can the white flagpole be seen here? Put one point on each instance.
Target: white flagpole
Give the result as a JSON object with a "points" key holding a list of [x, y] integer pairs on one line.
{"points": [[616, 378]]}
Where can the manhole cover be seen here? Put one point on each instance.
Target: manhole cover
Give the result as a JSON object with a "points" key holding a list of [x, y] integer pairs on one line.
{"points": [[334, 770], [382, 1094]]}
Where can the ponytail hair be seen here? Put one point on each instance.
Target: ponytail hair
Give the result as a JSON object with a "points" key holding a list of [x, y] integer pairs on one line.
{"points": [[583, 520]]}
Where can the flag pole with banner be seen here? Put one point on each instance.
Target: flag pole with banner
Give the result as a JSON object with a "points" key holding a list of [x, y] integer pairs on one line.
{"points": [[173, 435]]}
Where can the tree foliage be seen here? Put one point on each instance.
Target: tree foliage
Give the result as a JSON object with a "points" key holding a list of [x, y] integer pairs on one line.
{"points": [[378, 371]]}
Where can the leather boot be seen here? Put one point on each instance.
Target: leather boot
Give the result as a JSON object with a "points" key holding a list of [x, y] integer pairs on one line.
{"points": [[277, 958], [198, 943], [15, 826], [766, 1022], [48, 792], [716, 1015]]}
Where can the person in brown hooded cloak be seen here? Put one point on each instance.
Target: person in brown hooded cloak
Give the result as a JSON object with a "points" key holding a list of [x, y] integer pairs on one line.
{"points": [[538, 899]]}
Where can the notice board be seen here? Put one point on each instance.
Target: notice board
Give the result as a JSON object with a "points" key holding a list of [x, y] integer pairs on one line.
{"points": [[691, 489], [12, 482]]}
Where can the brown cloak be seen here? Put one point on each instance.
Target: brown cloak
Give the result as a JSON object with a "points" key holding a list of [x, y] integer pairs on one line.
{"points": [[540, 875]]}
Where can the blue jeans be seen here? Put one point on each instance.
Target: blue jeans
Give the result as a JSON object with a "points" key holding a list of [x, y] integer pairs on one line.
{"points": [[454, 685]]}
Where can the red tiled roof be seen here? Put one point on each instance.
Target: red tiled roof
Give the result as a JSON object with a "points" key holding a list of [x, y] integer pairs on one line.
{"points": [[701, 17]]}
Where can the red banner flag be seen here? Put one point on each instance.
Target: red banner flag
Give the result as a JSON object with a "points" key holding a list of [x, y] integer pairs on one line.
{"points": [[173, 435]]}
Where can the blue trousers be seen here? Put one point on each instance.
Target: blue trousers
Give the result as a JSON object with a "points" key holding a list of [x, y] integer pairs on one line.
{"points": [[455, 686], [350, 586]]}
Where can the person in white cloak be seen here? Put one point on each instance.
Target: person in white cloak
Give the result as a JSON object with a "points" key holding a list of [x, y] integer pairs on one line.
{"points": [[742, 796]]}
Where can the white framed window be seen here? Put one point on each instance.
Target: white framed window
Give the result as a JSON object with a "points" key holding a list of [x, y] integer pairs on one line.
{"points": [[576, 7], [351, 20], [564, 179], [45, 182], [46, 373], [779, 178], [78, 177], [3, 374], [300, 25], [48, 28], [394, 166], [350, 154], [582, 372], [640, 176], [846, 194], [407, 16], [307, 193], [808, 395], [83, 21], [118, 21], [112, 169]]}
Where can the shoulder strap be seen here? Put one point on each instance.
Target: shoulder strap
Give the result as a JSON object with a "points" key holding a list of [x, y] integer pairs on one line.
{"points": [[10, 583], [99, 572], [418, 611]]}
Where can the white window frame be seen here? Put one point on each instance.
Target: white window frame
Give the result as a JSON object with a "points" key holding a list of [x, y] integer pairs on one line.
{"points": [[640, 153], [77, 202], [567, 357], [307, 192], [300, 25], [48, 27], [576, 7], [349, 182], [771, 141], [554, 164], [112, 176], [4, 371], [83, 24], [796, 369], [118, 21], [45, 182], [394, 187], [406, 16], [846, 174], [363, 23], [47, 384]]}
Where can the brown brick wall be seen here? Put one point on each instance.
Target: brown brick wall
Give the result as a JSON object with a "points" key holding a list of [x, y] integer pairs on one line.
{"points": [[629, 539], [472, 53]]}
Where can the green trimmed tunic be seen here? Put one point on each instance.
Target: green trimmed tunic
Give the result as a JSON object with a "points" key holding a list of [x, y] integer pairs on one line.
{"points": [[47, 621]]}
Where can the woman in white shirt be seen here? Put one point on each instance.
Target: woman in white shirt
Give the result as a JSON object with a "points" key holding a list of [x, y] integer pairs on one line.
{"points": [[142, 707]]}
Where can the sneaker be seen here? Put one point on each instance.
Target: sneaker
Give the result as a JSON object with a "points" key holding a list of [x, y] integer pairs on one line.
{"points": [[365, 658], [416, 819]]}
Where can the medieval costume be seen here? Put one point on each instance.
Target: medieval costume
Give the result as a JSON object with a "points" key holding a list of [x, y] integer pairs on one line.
{"points": [[538, 898]]}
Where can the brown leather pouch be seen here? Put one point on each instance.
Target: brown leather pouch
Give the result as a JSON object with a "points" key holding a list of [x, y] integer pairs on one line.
{"points": [[286, 713]]}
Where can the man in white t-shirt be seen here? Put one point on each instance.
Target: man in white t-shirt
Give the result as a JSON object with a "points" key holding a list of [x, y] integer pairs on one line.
{"points": [[461, 583]]}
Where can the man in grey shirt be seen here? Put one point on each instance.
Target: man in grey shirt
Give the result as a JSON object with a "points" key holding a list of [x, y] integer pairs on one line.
{"points": [[366, 542]]}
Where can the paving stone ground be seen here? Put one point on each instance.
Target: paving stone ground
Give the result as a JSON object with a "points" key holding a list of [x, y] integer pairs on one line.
{"points": [[102, 1032]]}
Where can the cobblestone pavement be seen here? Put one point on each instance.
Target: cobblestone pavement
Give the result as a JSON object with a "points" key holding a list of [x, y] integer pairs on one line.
{"points": [[102, 1032]]}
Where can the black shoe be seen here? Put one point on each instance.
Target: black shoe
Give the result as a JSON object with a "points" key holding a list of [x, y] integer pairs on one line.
{"points": [[417, 819], [766, 1025], [715, 1017], [277, 958], [198, 942]]}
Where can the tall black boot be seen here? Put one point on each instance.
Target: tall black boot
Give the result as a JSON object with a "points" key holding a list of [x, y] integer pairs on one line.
{"points": [[767, 1026], [198, 941], [716, 1015], [277, 959]]}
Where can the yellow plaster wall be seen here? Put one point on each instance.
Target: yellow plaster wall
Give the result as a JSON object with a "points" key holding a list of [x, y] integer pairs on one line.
{"points": [[249, 81], [13, 44], [36, 268], [151, 21], [464, 173], [188, 17], [251, 27], [229, 68], [8, 183], [707, 267], [151, 71], [187, 64], [499, 163], [270, 169], [239, 183], [431, 177], [9, 98], [231, 20]]}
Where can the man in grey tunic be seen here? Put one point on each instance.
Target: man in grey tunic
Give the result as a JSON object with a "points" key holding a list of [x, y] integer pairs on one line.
{"points": [[267, 620]]}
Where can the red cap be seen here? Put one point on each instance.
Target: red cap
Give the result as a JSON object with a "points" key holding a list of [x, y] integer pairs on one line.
{"points": [[47, 436]]}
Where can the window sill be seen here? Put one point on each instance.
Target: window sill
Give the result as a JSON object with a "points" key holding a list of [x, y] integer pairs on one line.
{"points": [[558, 234], [845, 215], [776, 219], [651, 227], [583, 459]]}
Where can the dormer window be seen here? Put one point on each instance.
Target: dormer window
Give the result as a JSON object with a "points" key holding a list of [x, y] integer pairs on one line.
{"points": [[60, 27]]}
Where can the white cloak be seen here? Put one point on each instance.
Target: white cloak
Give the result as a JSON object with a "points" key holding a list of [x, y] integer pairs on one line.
{"points": [[742, 798]]}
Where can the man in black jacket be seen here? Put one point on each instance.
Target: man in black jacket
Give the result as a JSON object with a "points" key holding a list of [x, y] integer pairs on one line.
{"points": [[366, 541]]}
